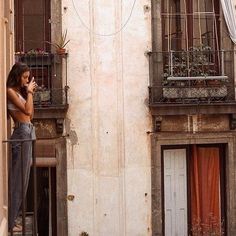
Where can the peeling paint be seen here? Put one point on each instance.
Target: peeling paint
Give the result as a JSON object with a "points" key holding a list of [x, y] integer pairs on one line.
{"points": [[73, 140], [45, 128], [73, 137], [71, 133]]}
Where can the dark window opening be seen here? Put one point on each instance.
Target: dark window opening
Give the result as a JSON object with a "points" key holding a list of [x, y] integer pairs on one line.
{"points": [[32, 25], [46, 201], [190, 24]]}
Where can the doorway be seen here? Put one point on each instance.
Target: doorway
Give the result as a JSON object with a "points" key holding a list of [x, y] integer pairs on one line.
{"points": [[193, 183], [46, 200]]}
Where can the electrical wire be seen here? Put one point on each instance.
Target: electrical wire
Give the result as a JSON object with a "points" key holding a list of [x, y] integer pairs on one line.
{"points": [[99, 34]]}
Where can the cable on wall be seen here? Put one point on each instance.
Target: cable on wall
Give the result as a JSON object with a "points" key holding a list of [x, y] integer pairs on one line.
{"points": [[109, 34]]}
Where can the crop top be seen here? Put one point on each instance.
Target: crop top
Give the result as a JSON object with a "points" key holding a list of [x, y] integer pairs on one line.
{"points": [[13, 107]]}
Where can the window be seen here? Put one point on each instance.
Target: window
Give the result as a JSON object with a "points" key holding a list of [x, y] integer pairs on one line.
{"points": [[32, 37], [191, 31], [190, 23], [32, 25]]}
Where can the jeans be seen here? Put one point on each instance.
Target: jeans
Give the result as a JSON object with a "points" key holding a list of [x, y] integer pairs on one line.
{"points": [[21, 131]]}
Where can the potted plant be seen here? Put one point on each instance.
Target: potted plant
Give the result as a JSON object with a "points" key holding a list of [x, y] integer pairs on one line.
{"points": [[42, 95], [62, 42], [180, 69]]}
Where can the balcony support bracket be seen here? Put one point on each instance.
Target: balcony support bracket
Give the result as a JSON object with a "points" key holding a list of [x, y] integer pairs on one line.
{"points": [[59, 125], [233, 121], [157, 123]]}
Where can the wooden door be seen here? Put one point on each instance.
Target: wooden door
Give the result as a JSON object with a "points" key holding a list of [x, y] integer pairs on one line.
{"points": [[175, 192]]}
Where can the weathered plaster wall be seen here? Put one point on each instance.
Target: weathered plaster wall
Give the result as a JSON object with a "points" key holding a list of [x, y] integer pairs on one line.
{"points": [[108, 148], [195, 123], [6, 42]]}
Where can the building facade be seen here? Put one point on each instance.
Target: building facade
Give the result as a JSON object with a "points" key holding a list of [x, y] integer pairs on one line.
{"points": [[108, 148], [6, 58], [135, 121], [91, 114], [192, 102]]}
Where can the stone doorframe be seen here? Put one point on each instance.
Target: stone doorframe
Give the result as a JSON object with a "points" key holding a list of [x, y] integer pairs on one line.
{"points": [[162, 139], [61, 186]]}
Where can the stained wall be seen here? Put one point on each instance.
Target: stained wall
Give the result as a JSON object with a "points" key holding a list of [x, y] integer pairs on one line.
{"points": [[108, 148]]}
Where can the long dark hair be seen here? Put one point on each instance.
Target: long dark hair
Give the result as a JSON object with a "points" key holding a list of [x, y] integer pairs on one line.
{"points": [[14, 77]]}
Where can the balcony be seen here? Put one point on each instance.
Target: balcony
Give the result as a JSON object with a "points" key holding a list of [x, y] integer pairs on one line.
{"points": [[50, 73], [190, 82]]}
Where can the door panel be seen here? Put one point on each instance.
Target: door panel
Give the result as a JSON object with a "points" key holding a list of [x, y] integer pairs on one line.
{"points": [[175, 192]]}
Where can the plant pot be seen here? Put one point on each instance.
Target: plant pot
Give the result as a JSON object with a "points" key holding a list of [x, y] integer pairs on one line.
{"points": [[213, 83], [61, 51], [42, 96]]}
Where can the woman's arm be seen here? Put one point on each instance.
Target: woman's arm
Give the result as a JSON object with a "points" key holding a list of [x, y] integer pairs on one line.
{"points": [[32, 114], [28, 107]]}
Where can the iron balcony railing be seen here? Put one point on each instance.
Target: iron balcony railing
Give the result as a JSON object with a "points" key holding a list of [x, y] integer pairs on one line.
{"points": [[28, 221], [50, 73], [197, 76]]}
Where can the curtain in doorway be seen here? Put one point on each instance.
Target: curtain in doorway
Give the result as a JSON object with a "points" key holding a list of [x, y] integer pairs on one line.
{"points": [[229, 11], [205, 191]]}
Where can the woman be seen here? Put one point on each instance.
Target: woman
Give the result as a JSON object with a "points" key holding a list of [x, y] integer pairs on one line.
{"points": [[20, 92]]}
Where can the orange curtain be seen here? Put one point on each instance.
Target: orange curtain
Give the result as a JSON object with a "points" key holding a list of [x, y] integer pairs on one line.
{"points": [[205, 191]]}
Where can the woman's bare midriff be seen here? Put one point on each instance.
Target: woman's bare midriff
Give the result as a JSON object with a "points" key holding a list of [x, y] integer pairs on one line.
{"points": [[19, 116]]}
